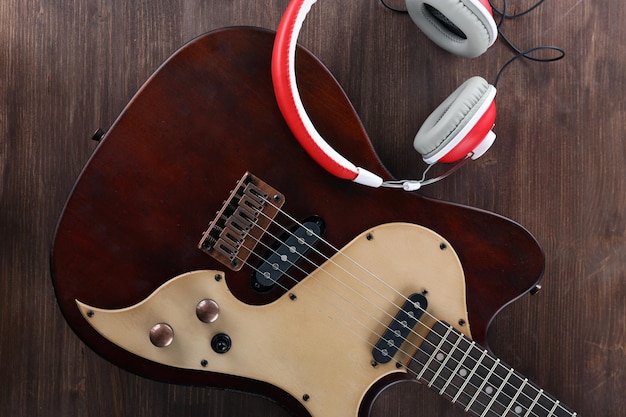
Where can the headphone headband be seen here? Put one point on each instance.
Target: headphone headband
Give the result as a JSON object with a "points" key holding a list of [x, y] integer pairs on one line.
{"points": [[468, 132], [291, 106]]}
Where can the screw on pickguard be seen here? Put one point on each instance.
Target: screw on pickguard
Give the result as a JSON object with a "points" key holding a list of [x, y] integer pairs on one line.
{"points": [[241, 222]]}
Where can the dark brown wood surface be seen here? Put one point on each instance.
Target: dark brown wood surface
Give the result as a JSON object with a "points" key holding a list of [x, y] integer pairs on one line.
{"points": [[557, 167]]}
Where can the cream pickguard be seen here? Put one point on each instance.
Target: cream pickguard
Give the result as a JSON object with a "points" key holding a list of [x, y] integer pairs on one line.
{"points": [[316, 341]]}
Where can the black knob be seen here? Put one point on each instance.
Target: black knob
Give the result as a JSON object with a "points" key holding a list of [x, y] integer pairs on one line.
{"points": [[221, 343]]}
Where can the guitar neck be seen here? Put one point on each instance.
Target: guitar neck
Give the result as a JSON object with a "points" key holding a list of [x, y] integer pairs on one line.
{"points": [[472, 378]]}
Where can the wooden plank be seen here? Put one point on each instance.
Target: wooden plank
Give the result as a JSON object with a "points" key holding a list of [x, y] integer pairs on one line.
{"points": [[67, 68]]}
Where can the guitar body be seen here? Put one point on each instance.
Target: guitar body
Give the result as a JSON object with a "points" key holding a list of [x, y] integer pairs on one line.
{"points": [[204, 119]]}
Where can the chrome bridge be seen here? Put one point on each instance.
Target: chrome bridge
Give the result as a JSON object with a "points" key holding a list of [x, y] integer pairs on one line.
{"points": [[241, 222]]}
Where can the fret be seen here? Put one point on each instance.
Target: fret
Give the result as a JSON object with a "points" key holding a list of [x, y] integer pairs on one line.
{"points": [[526, 399], [510, 386], [437, 348], [475, 396], [518, 409], [548, 406], [455, 371], [564, 411], [493, 399], [490, 389], [478, 382], [482, 385], [442, 367], [544, 406], [530, 409], [551, 414], [470, 376], [458, 370], [444, 363], [459, 367]]}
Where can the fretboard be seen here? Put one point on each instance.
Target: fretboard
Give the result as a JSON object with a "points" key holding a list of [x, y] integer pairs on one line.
{"points": [[478, 382]]}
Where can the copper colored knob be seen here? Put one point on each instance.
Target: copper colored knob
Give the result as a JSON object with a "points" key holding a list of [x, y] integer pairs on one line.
{"points": [[207, 310], [161, 335]]}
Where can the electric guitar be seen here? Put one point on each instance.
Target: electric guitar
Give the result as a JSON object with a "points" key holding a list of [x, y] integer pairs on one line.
{"points": [[201, 245]]}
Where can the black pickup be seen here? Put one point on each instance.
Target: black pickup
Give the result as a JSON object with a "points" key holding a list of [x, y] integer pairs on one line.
{"points": [[292, 247], [399, 328]]}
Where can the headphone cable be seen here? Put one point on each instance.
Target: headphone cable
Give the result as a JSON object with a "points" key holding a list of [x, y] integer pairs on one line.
{"points": [[527, 54]]}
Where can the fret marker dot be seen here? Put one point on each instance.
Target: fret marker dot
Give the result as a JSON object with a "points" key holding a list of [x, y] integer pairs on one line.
{"points": [[463, 372], [489, 390], [518, 409], [440, 356]]}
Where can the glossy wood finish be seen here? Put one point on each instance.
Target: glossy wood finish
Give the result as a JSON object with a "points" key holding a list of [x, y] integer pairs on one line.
{"points": [[557, 168], [203, 119]]}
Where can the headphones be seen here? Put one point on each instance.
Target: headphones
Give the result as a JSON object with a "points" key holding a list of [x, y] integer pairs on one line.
{"points": [[457, 131]]}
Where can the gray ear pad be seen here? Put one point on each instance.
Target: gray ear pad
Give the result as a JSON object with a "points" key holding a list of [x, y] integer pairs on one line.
{"points": [[462, 27], [449, 119]]}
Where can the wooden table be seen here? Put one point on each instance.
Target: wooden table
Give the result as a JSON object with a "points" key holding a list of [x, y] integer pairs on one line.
{"points": [[558, 168]]}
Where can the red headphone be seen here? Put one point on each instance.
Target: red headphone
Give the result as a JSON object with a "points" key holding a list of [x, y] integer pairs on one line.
{"points": [[458, 130]]}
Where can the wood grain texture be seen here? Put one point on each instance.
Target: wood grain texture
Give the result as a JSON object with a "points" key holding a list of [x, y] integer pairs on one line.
{"points": [[558, 168]]}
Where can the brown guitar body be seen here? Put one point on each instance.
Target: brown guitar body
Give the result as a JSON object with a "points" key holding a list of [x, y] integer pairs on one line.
{"points": [[208, 115]]}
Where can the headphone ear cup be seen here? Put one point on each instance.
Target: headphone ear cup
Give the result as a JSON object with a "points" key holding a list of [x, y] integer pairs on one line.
{"points": [[463, 27], [461, 125]]}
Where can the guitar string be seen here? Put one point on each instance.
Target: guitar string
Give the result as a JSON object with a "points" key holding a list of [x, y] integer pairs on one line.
{"points": [[373, 275], [373, 332], [337, 251], [339, 281], [504, 15], [473, 399]]}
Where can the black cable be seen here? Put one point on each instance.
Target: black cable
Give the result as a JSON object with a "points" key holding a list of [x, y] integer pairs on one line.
{"points": [[560, 53], [393, 9], [526, 55], [504, 15]]}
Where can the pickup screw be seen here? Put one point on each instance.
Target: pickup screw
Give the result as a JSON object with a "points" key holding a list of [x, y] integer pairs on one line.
{"points": [[369, 236], [461, 322], [204, 363], [398, 365], [277, 198], [218, 277], [424, 292], [90, 313], [306, 397], [293, 297], [374, 364], [443, 246]]}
